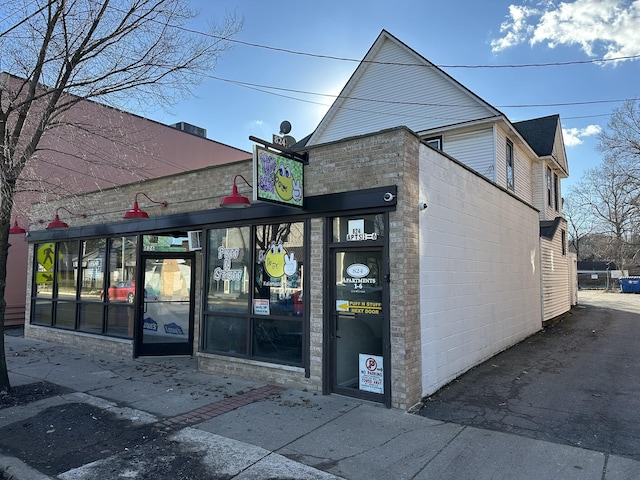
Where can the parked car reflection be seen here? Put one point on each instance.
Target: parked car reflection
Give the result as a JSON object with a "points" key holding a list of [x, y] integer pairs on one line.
{"points": [[123, 291]]}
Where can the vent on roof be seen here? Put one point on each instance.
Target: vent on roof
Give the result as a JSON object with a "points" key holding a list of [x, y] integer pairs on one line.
{"points": [[187, 127]]}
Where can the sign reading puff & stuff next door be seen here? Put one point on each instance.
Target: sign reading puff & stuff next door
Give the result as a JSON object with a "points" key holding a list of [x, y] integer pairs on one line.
{"points": [[277, 179]]}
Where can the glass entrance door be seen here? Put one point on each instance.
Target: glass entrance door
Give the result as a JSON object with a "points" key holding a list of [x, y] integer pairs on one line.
{"points": [[165, 325], [359, 326]]}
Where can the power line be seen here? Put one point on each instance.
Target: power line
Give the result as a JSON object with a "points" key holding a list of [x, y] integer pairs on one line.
{"points": [[355, 60], [403, 64], [258, 87], [402, 115], [408, 103]]}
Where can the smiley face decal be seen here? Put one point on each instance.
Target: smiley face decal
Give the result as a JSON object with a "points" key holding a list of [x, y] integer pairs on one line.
{"points": [[278, 262], [284, 182]]}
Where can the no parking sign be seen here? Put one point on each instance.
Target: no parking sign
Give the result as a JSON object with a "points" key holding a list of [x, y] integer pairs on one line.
{"points": [[370, 373]]}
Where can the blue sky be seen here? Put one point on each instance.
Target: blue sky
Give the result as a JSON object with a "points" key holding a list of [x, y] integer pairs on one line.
{"points": [[453, 34]]}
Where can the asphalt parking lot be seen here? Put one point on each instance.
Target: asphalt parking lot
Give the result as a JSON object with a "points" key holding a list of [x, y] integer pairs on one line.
{"points": [[575, 383]]}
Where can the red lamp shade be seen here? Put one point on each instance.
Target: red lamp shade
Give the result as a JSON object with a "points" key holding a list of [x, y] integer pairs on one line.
{"points": [[235, 200], [57, 223], [15, 229], [136, 212]]}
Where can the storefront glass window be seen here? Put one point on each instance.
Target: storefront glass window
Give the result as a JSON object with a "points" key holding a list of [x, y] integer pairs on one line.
{"points": [[91, 317], [120, 320], [277, 339], [41, 313], [121, 288], [226, 334], [360, 228], [255, 302], [229, 270], [77, 282], [122, 269], [279, 269], [66, 284], [66, 272], [92, 268]]}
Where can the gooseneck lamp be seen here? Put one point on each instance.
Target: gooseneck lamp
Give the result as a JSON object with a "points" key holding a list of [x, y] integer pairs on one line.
{"points": [[15, 229], [235, 200], [57, 223], [136, 212]]}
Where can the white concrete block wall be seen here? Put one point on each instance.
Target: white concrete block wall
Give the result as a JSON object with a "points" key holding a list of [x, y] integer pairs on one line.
{"points": [[479, 270]]}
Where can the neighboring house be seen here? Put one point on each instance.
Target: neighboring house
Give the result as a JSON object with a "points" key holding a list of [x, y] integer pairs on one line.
{"points": [[428, 241], [394, 85], [102, 148]]}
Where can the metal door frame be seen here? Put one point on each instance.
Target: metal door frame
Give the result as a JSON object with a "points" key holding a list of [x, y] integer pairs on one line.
{"points": [[162, 349], [330, 351]]}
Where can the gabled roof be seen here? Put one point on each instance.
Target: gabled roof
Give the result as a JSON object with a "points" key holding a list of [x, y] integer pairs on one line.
{"points": [[539, 133], [395, 86], [544, 136]]}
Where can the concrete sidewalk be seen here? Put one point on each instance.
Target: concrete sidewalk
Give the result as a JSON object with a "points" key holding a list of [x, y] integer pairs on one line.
{"points": [[97, 416]]}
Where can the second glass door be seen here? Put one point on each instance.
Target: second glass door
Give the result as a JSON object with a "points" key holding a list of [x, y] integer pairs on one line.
{"points": [[166, 314]]}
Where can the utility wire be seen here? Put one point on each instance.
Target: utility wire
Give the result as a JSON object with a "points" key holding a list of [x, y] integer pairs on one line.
{"points": [[396, 102], [220, 38], [403, 64]]}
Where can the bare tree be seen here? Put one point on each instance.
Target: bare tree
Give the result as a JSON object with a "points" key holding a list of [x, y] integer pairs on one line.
{"points": [[609, 195], [58, 53], [621, 138], [579, 221]]}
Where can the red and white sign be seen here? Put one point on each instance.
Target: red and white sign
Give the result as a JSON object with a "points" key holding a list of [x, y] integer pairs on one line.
{"points": [[371, 378]]}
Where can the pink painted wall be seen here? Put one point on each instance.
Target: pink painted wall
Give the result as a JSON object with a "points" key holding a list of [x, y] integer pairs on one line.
{"points": [[111, 148]]}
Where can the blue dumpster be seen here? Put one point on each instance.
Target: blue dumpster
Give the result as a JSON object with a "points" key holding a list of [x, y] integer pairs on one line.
{"points": [[630, 284]]}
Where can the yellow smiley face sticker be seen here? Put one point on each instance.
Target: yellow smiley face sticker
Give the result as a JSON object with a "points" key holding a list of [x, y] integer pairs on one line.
{"points": [[284, 182], [274, 260], [277, 262]]}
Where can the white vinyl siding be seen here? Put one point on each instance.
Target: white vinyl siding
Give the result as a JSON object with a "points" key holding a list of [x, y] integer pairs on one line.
{"points": [[425, 97], [556, 286], [538, 187], [522, 167], [541, 192], [475, 149]]}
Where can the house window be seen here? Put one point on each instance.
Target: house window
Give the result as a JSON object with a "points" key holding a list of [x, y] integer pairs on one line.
{"points": [[510, 173], [556, 193], [435, 142], [549, 190], [563, 239]]}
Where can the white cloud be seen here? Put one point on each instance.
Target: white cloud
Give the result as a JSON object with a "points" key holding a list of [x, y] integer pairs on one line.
{"points": [[606, 28], [515, 29], [574, 136]]}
